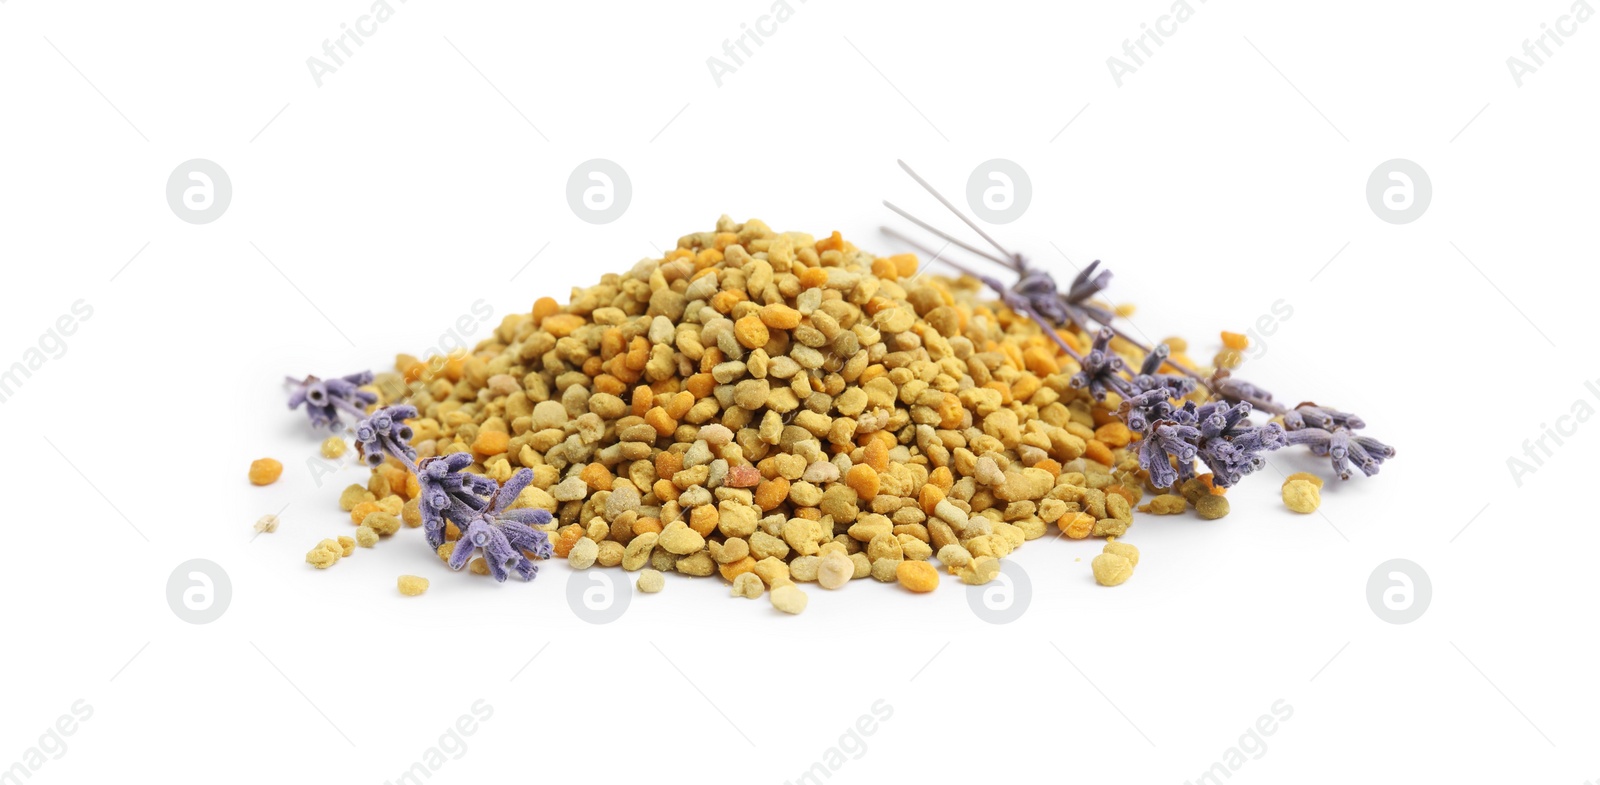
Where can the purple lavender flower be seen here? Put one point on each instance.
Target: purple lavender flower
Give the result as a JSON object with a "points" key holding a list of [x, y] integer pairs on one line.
{"points": [[1151, 378], [1038, 290], [1145, 408], [1314, 416], [1344, 447], [505, 536], [1229, 445], [1169, 441], [1235, 390], [385, 433], [447, 492], [1217, 433], [327, 399], [1101, 368]]}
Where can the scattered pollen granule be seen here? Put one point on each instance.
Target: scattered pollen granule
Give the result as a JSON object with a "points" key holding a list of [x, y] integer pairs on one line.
{"points": [[1301, 496], [1212, 507], [748, 585], [267, 524], [1165, 504], [982, 570], [354, 495], [325, 554], [583, 554], [1111, 569], [412, 585], [382, 523], [651, 581], [1307, 476], [835, 570], [334, 447], [1124, 550], [788, 598], [918, 576], [265, 471], [366, 537]]}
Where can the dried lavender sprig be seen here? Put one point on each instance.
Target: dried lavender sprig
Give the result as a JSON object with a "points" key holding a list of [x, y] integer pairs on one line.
{"points": [[1230, 449], [1231, 454], [1344, 447], [480, 507], [506, 536], [1230, 445], [326, 399], [1037, 286], [448, 492], [1013, 300], [1168, 450], [385, 433], [1101, 370]]}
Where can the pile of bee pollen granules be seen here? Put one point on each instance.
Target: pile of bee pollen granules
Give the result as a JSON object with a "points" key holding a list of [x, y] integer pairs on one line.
{"points": [[775, 409]]}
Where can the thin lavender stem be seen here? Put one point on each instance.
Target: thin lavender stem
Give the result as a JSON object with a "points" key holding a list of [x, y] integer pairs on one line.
{"points": [[1051, 331], [349, 408], [964, 219], [1256, 403], [949, 238]]}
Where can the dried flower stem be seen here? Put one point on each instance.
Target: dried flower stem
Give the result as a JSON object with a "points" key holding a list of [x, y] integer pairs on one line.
{"points": [[1217, 433]]}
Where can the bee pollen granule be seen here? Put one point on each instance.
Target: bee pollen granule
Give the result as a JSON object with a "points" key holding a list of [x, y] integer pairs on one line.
{"points": [[1124, 550], [325, 554], [651, 581], [412, 585], [835, 570], [788, 598], [265, 471], [583, 554], [1111, 569], [334, 447], [918, 576], [748, 585], [1301, 496]]}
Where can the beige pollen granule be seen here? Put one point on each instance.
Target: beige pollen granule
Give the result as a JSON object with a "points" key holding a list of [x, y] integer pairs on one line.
{"points": [[1301, 496], [353, 495], [1124, 550], [748, 585], [584, 553], [788, 598], [412, 585], [334, 447], [651, 581], [835, 570], [1111, 569], [325, 554], [382, 522]]}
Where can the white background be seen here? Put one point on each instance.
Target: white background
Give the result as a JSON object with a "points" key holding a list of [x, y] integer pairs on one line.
{"points": [[1220, 177]]}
